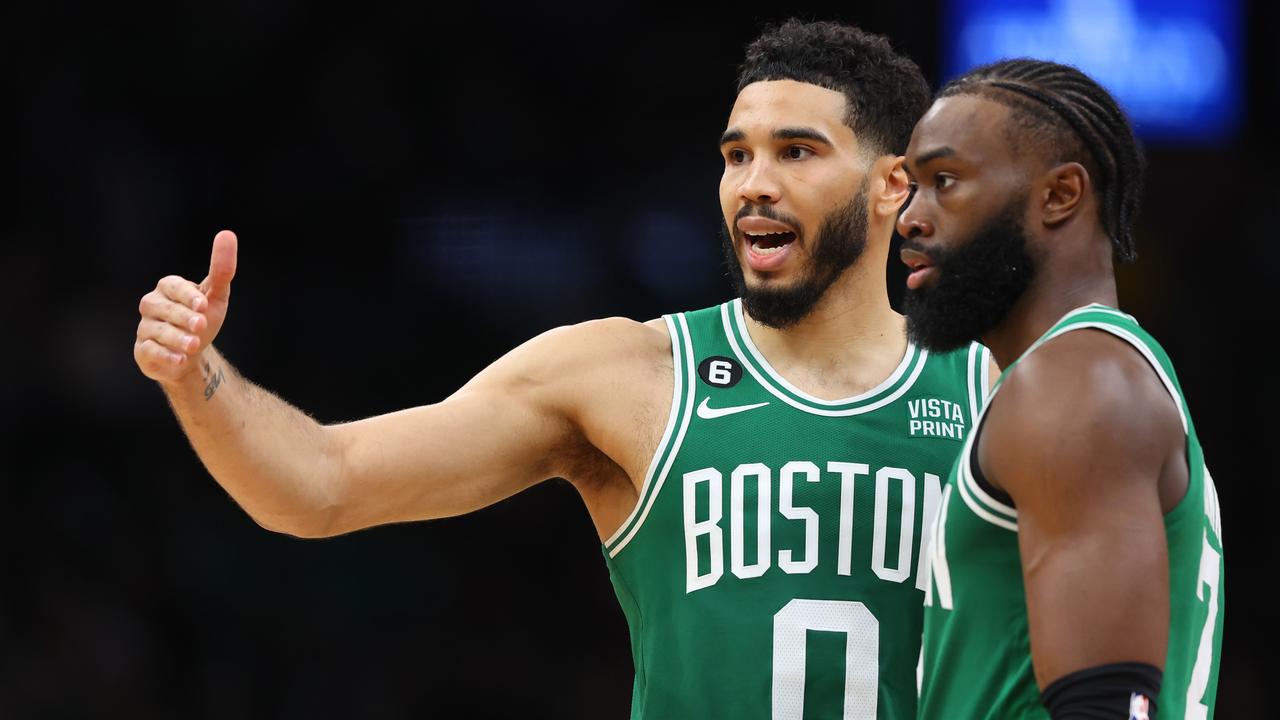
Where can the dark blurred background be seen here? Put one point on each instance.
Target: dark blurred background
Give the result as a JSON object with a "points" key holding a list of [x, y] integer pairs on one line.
{"points": [[417, 190]]}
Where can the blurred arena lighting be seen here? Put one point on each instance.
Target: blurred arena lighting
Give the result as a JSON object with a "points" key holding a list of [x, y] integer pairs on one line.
{"points": [[672, 253], [1173, 64], [525, 262], [553, 265]]}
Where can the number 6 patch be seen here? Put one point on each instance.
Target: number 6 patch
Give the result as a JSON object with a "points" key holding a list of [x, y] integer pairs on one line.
{"points": [[720, 371]]}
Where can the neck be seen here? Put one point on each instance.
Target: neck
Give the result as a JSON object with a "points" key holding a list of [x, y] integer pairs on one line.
{"points": [[1062, 284], [849, 342]]}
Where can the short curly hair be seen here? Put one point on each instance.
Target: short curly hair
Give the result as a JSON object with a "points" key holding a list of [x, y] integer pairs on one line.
{"points": [[885, 91]]}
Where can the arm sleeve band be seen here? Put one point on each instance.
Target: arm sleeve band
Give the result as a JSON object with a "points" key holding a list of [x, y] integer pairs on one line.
{"points": [[1120, 691]]}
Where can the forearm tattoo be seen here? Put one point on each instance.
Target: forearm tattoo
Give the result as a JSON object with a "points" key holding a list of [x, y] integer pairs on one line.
{"points": [[212, 380]]}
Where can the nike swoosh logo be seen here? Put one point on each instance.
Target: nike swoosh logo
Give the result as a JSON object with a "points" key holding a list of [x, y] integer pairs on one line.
{"points": [[710, 413]]}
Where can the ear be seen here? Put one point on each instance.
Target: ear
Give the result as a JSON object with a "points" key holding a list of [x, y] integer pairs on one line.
{"points": [[890, 185], [1063, 193]]}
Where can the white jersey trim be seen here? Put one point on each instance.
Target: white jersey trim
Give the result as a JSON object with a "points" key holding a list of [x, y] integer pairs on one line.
{"points": [[995, 512], [1142, 348], [673, 414], [967, 477], [973, 494], [976, 376], [986, 373], [897, 374], [684, 415], [967, 486], [921, 357]]}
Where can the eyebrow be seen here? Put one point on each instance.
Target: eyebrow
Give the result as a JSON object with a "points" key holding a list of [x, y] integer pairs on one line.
{"points": [[787, 133], [800, 133], [732, 135], [926, 158]]}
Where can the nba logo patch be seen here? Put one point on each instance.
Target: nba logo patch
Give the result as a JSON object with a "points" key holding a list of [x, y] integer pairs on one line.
{"points": [[1139, 707]]}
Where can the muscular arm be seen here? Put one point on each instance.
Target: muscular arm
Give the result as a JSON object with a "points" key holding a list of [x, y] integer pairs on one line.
{"points": [[1089, 445], [529, 416]]}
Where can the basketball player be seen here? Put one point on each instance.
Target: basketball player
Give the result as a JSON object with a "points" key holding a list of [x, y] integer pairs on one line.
{"points": [[1077, 561], [760, 472]]}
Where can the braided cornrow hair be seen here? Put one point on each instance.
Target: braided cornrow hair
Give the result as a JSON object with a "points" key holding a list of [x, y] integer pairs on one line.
{"points": [[1072, 117]]}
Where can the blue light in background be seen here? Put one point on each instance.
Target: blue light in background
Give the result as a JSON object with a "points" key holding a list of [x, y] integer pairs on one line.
{"points": [[538, 265], [1173, 64], [673, 253], [553, 266]]}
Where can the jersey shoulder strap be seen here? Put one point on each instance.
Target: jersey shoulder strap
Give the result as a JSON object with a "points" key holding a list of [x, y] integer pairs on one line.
{"points": [[1126, 328]]}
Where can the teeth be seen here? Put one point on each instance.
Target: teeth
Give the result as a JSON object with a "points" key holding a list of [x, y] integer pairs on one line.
{"points": [[769, 243]]}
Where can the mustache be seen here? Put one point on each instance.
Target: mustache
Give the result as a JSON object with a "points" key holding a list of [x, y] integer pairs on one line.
{"points": [[916, 246], [768, 212]]}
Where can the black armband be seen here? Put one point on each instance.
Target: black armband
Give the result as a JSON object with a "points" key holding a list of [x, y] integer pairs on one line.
{"points": [[1118, 691]]}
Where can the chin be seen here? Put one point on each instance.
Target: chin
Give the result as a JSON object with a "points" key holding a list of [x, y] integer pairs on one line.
{"points": [[774, 281]]}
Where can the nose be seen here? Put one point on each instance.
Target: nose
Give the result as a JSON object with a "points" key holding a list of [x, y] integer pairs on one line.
{"points": [[760, 186], [911, 221]]}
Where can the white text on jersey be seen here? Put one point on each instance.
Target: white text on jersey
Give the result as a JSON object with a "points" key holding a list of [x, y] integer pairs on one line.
{"points": [[935, 417], [705, 508]]}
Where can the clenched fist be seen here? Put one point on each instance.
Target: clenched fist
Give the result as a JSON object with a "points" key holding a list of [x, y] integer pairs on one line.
{"points": [[181, 318]]}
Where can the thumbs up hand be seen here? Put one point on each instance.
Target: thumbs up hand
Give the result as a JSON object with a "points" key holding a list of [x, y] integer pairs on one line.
{"points": [[180, 318]]}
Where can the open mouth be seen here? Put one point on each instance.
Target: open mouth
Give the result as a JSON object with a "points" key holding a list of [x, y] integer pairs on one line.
{"points": [[766, 239], [769, 243]]}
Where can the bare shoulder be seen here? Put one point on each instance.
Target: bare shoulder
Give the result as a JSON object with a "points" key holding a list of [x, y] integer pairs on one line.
{"points": [[650, 335], [1087, 369], [1086, 441], [612, 344], [616, 360], [563, 353], [610, 378], [1084, 399]]}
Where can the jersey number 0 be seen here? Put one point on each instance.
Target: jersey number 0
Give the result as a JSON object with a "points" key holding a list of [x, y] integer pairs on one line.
{"points": [[791, 626]]}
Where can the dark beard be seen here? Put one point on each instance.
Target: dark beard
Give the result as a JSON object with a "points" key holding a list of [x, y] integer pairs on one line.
{"points": [[838, 245], [977, 284]]}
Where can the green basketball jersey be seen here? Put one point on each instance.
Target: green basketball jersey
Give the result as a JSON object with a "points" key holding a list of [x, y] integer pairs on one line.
{"points": [[977, 651], [770, 568]]}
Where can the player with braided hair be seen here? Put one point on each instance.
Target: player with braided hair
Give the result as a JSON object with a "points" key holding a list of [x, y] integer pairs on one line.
{"points": [[1076, 565], [1061, 108]]}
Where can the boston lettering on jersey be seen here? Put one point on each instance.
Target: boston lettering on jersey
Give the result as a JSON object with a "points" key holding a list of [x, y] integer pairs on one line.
{"points": [[771, 567], [706, 505]]}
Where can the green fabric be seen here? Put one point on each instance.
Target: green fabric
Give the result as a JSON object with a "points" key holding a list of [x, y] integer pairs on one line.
{"points": [[977, 653], [726, 605]]}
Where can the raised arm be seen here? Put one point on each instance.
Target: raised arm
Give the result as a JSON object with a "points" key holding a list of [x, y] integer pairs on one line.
{"points": [[1089, 445], [518, 422]]}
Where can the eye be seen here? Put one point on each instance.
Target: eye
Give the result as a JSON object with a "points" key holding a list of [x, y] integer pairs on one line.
{"points": [[796, 152], [735, 156], [943, 181]]}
